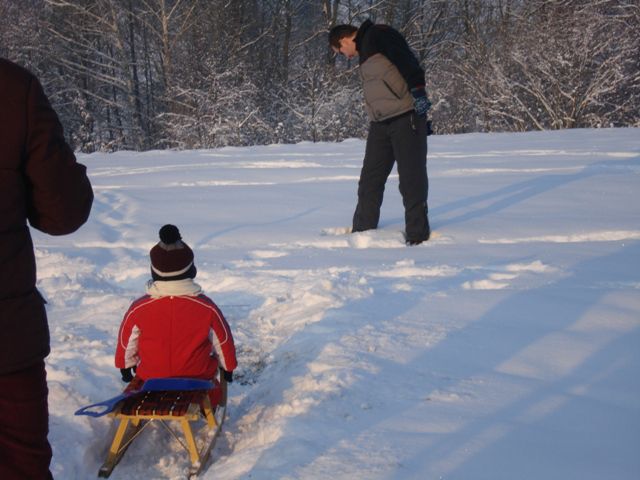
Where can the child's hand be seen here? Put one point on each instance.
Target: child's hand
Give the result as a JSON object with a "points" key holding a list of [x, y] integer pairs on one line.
{"points": [[228, 376]]}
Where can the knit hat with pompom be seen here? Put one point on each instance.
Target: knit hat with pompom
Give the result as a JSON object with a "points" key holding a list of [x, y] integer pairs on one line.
{"points": [[171, 258]]}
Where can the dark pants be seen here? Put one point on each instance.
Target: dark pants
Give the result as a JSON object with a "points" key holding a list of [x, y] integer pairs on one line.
{"points": [[25, 452], [402, 140]]}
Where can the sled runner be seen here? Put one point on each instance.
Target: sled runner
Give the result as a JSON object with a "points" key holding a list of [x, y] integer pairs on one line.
{"points": [[165, 401]]}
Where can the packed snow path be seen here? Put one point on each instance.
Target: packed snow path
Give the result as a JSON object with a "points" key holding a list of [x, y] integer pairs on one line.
{"points": [[507, 347]]}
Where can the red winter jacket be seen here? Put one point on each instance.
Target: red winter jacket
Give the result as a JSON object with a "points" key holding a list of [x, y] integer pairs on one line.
{"points": [[175, 336], [40, 181]]}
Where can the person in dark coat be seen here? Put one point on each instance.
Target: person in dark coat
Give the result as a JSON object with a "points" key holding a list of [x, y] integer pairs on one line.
{"points": [[40, 182], [397, 105]]}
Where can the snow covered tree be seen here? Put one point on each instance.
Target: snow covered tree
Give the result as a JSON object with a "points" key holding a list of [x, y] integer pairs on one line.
{"points": [[98, 72], [554, 65], [140, 74]]}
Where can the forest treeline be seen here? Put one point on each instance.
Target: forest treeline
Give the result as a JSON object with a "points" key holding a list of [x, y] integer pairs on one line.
{"points": [[143, 74]]}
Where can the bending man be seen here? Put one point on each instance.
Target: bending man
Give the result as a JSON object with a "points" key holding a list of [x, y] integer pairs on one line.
{"points": [[397, 105]]}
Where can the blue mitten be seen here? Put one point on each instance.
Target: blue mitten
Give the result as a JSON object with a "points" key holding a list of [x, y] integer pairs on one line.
{"points": [[421, 103]]}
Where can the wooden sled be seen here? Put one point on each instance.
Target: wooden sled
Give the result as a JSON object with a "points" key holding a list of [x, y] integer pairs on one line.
{"points": [[181, 407]]}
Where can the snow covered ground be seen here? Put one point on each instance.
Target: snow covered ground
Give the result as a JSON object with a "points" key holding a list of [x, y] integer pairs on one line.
{"points": [[508, 347]]}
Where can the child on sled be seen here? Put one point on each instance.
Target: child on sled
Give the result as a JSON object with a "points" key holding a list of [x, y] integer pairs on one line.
{"points": [[174, 330]]}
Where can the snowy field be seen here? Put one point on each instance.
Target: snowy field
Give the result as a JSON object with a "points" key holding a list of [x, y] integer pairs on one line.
{"points": [[506, 348]]}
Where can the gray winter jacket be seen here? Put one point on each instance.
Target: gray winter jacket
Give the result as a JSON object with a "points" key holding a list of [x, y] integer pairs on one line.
{"points": [[386, 93]]}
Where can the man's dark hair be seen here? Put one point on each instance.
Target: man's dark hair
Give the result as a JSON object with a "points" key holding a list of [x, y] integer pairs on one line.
{"points": [[339, 32]]}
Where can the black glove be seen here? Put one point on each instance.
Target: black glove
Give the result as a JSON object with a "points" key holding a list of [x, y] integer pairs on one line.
{"points": [[421, 103], [127, 373], [228, 376]]}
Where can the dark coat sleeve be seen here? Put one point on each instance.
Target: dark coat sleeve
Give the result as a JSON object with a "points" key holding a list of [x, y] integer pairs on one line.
{"points": [[59, 195], [392, 45]]}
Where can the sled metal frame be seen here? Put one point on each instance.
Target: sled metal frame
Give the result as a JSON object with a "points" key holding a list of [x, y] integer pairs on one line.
{"points": [[198, 455]]}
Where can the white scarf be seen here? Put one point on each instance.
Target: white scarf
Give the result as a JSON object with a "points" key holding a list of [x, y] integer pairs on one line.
{"points": [[187, 287]]}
